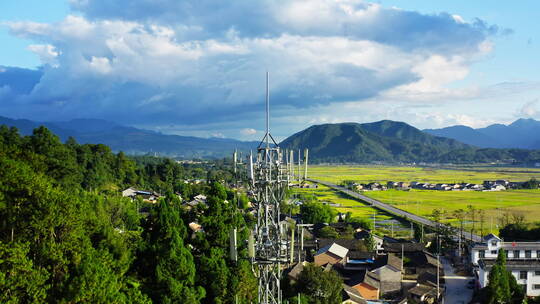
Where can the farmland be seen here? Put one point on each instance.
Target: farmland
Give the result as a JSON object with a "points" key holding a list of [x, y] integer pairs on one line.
{"points": [[357, 208], [423, 202], [366, 174]]}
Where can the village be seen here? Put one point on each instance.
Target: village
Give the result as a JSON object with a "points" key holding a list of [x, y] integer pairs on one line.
{"points": [[495, 185]]}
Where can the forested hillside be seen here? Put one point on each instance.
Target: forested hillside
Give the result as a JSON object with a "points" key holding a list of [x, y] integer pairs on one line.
{"points": [[392, 141], [68, 236]]}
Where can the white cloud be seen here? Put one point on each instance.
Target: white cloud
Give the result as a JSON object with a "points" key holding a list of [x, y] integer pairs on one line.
{"points": [[248, 131], [192, 63], [46, 52], [530, 109]]}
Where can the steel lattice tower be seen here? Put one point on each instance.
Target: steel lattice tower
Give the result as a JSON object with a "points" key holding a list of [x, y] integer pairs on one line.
{"points": [[269, 179]]}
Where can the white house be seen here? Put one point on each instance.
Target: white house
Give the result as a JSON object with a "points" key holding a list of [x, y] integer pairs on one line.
{"points": [[489, 249], [523, 260], [526, 272]]}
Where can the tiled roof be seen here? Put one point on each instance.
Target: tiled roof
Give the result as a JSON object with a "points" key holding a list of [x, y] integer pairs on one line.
{"points": [[522, 264], [390, 260], [349, 293], [367, 277], [421, 290]]}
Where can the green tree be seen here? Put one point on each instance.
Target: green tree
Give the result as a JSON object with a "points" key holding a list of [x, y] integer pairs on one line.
{"points": [[328, 232], [314, 212], [371, 245], [20, 280], [322, 287], [502, 285], [166, 261]]}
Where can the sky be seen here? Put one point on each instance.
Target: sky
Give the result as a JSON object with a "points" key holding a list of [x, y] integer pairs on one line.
{"points": [[197, 67]]}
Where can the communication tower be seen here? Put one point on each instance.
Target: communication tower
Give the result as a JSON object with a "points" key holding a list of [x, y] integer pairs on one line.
{"points": [[268, 177]]}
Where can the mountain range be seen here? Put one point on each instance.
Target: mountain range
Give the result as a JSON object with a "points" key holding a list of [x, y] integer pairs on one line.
{"points": [[382, 141], [522, 133], [132, 140], [391, 141]]}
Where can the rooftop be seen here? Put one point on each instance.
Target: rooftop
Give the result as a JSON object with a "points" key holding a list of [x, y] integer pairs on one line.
{"points": [[522, 264], [422, 290], [352, 294], [390, 260], [335, 249], [367, 277]]}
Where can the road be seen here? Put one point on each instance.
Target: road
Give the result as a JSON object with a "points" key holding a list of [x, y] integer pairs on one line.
{"points": [[456, 286], [388, 208]]}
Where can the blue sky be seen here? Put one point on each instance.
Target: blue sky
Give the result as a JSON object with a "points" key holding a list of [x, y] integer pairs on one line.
{"points": [[197, 68]]}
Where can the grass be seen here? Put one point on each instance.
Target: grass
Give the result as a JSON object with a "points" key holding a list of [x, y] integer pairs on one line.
{"points": [[366, 174]]}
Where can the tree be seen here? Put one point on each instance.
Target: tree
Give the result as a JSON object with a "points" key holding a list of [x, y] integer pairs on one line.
{"points": [[459, 214], [371, 245], [502, 285], [481, 217], [166, 261], [328, 232], [322, 287], [20, 280], [314, 213], [472, 215]]}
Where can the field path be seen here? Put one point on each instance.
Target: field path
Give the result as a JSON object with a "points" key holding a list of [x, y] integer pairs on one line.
{"points": [[388, 208]]}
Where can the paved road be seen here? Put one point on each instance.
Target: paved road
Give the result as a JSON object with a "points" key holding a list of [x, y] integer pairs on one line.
{"points": [[456, 286], [388, 208]]}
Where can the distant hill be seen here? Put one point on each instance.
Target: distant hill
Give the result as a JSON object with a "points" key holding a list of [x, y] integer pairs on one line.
{"points": [[521, 134], [133, 140], [391, 141]]}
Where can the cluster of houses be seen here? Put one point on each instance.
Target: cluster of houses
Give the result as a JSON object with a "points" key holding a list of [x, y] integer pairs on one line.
{"points": [[496, 185], [522, 260], [398, 270]]}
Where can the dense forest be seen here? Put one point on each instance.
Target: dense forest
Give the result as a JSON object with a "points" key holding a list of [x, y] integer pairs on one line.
{"points": [[68, 236]]}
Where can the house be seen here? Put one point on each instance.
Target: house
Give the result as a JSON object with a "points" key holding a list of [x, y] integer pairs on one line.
{"points": [[403, 185], [402, 246], [526, 272], [389, 268], [429, 278], [423, 294], [350, 295], [491, 244], [195, 227], [361, 234], [522, 259], [422, 261], [333, 254], [200, 198], [147, 196], [367, 283], [294, 272]]}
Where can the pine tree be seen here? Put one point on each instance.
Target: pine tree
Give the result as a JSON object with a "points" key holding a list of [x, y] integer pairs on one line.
{"points": [[167, 261]]}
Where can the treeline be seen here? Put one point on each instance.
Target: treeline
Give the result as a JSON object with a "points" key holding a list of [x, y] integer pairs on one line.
{"points": [[67, 235]]}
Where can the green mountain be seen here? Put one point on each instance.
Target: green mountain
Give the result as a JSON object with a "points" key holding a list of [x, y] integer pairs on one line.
{"points": [[390, 141]]}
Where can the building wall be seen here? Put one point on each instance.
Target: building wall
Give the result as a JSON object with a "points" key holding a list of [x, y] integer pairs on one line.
{"points": [[531, 280], [326, 257], [367, 292], [475, 255], [390, 279]]}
